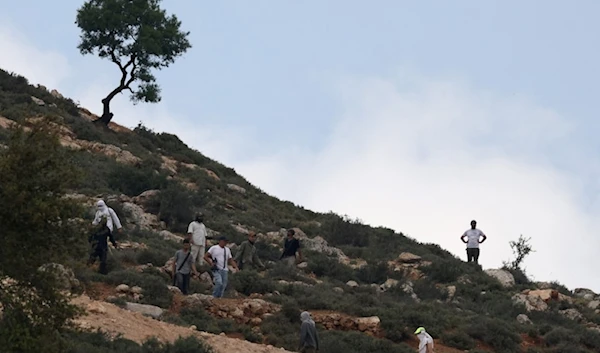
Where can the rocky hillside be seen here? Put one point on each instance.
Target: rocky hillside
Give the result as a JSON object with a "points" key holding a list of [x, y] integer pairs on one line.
{"points": [[367, 288]]}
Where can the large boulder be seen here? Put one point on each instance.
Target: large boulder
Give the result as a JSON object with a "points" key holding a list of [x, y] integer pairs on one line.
{"points": [[504, 277], [409, 258], [136, 216], [531, 302], [148, 310], [146, 196], [236, 188], [64, 276], [352, 284], [594, 304], [524, 319], [198, 299], [572, 314], [584, 293]]}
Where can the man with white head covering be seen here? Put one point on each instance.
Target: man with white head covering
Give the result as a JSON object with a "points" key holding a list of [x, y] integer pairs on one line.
{"points": [[107, 221], [425, 341], [309, 338]]}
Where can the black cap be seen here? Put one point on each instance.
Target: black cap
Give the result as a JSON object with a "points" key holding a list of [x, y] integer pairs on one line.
{"points": [[223, 238]]}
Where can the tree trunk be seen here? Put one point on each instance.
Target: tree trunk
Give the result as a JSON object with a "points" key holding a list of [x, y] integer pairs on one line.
{"points": [[106, 114]]}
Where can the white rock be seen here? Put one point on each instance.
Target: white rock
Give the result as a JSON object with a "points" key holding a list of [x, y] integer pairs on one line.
{"points": [[148, 310], [352, 284], [504, 277], [524, 319], [595, 304], [123, 288], [136, 290]]}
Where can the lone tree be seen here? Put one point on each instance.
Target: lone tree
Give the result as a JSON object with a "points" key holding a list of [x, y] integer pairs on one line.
{"points": [[521, 249], [138, 36]]}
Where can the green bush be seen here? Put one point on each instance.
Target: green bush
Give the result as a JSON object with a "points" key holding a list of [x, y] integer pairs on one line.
{"points": [[560, 335], [425, 289], [591, 339], [153, 284], [345, 231], [498, 334], [324, 266], [443, 271], [373, 273], [176, 207], [133, 180], [248, 282], [350, 342], [152, 256], [458, 340]]}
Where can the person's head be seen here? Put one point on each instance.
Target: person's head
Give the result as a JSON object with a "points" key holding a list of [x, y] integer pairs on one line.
{"points": [[420, 330], [101, 205], [186, 244], [291, 233], [252, 237], [473, 224], [305, 316], [223, 241], [199, 217]]}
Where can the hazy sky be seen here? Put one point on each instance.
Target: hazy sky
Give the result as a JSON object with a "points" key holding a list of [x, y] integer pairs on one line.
{"points": [[419, 116]]}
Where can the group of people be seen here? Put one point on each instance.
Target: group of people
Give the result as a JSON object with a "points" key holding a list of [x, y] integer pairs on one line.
{"points": [[219, 258]]}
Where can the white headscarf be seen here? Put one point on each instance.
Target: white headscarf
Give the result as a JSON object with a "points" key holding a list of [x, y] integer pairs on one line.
{"points": [[106, 212], [305, 317]]}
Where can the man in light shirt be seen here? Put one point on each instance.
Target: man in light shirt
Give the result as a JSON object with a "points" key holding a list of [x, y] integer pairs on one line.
{"points": [[473, 237], [197, 234], [219, 256], [425, 341]]}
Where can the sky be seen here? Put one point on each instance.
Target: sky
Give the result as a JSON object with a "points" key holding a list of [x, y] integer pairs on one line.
{"points": [[418, 116]]}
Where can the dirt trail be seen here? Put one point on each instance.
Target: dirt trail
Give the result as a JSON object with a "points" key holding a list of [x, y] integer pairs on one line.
{"points": [[111, 319]]}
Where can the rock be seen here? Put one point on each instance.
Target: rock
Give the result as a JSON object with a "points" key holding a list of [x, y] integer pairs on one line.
{"points": [[572, 314], [136, 216], [123, 288], [240, 229], [549, 294], [256, 321], [302, 265], [409, 258], [131, 245], [524, 319], [352, 284], [96, 308], [174, 290], [37, 101], [504, 277], [119, 154], [583, 293], [407, 287], [237, 313], [211, 174], [594, 304], [146, 196], [166, 235], [56, 94], [64, 276], [367, 323], [148, 310], [198, 299], [388, 284], [531, 302], [206, 278], [193, 328], [136, 290], [451, 290], [236, 188], [338, 289]]}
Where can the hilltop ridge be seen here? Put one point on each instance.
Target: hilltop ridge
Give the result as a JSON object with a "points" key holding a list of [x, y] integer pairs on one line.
{"points": [[368, 288]]}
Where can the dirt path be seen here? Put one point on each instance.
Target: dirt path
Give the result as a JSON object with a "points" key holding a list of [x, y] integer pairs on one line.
{"points": [[113, 320]]}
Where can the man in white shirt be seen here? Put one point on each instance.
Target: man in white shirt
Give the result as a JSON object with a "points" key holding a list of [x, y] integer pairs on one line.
{"points": [[197, 234], [425, 341], [219, 256], [473, 237]]}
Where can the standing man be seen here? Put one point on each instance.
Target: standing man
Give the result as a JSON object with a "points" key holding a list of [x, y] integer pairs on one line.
{"points": [[291, 246], [99, 244], [309, 338], [247, 255], [183, 266], [219, 256], [425, 341], [197, 235], [473, 237]]}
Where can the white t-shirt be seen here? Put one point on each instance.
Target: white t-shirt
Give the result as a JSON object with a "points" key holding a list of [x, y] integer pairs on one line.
{"points": [[473, 236], [424, 339], [198, 232], [222, 255]]}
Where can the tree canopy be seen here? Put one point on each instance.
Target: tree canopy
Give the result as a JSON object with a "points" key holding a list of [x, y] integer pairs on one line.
{"points": [[138, 36]]}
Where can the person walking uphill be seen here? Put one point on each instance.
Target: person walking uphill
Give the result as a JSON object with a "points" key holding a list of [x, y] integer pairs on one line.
{"points": [[197, 233], [291, 246], [309, 338], [425, 341], [219, 256], [99, 245], [183, 266], [473, 237], [247, 255]]}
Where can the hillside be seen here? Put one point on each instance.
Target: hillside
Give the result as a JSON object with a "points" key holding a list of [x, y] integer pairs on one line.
{"points": [[368, 288]]}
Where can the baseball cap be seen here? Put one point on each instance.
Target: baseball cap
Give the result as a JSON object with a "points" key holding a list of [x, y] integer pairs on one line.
{"points": [[419, 330]]}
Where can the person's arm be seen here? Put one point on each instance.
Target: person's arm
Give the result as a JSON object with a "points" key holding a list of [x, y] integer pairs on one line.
{"points": [[115, 219], [97, 219], [256, 260], [484, 238], [174, 265], [112, 239], [208, 258], [239, 253], [191, 233], [463, 238], [303, 333]]}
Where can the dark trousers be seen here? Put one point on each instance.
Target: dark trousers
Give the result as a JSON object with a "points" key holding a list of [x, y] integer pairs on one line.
{"points": [[473, 255], [101, 253], [182, 281]]}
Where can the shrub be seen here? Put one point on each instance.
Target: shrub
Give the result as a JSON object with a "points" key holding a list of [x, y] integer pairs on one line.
{"points": [[591, 339], [97, 342], [376, 273], [560, 335], [458, 340], [345, 231], [176, 207], [152, 256], [498, 334], [248, 282], [443, 271], [153, 284], [133, 180], [344, 342], [426, 290], [324, 266]]}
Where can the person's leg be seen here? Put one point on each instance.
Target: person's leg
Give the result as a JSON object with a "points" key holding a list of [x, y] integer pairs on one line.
{"points": [[194, 249], [179, 281], [469, 257], [476, 255], [186, 284], [218, 281], [225, 277], [201, 252], [103, 265]]}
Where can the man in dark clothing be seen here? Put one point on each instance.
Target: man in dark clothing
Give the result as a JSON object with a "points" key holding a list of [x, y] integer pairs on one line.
{"points": [[247, 255], [291, 246], [183, 266], [99, 244], [309, 338]]}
